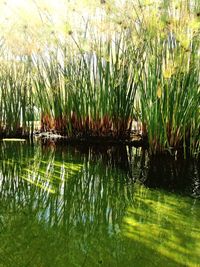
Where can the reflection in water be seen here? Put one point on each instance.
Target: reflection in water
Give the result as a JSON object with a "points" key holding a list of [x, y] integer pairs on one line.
{"points": [[79, 206], [182, 176]]}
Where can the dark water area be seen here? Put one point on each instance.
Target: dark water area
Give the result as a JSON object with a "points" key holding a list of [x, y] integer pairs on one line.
{"points": [[96, 206]]}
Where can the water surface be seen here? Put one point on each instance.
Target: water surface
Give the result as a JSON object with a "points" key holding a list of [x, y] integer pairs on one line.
{"points": [[81, 206]]}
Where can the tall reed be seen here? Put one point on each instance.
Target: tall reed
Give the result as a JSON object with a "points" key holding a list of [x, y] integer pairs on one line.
{"points": [[144, 66], [107, 82], [89, 93], [170, 93], [16, 99]]}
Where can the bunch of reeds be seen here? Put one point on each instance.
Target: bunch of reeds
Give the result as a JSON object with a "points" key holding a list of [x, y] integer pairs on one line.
{"points": [[50, 93], [89, 93], [170, 94], [16, 99], [146, 65], [104, 91]]}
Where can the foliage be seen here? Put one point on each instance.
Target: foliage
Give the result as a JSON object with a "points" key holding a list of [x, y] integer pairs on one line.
{"points": [[94, 75]]}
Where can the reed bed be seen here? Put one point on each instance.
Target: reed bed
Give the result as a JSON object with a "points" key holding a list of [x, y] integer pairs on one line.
{"points": [[143, 67], [16, 99], [170, 89], [89, 94]]}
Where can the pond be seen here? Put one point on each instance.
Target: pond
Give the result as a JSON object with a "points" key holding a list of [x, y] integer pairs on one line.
{"points": [[96, 206]]}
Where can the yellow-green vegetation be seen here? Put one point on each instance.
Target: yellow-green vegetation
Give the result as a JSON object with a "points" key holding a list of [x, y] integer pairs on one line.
{"points": [[90, 68]]}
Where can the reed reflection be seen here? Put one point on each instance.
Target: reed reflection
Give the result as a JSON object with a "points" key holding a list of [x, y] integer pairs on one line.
{"points": [[86, 206], [52, 191]]}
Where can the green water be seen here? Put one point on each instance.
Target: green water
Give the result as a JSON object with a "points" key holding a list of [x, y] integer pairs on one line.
{"points": [[65, 206]]}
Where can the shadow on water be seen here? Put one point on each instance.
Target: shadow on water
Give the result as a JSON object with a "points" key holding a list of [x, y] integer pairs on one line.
{"points": [[87, 206], [179, 176]]}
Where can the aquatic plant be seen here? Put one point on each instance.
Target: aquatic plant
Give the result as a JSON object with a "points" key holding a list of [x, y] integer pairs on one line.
{"points": [[170, 92], [93, 77], [89, 93], [16, 99], [107, 82]]}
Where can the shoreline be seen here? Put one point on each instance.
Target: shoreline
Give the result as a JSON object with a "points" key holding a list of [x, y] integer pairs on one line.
{"points": [[135, 139]]}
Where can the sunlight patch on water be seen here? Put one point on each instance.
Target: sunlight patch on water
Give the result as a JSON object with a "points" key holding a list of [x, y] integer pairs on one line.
{"points": [[167, 224]]}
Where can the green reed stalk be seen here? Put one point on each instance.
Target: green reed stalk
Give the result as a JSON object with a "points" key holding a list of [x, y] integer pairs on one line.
{"points": [[170, 92], [16, 102], [104, 87]]}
